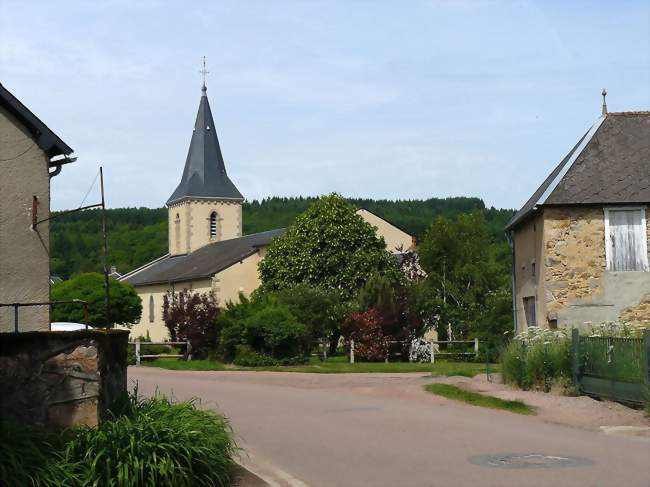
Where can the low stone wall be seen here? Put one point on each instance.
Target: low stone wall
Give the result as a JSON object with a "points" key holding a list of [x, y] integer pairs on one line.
{"points": [[60, 379]]}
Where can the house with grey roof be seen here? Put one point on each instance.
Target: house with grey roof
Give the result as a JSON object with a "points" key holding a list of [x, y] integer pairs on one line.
{"points": [[580, 243], [31, 154]]}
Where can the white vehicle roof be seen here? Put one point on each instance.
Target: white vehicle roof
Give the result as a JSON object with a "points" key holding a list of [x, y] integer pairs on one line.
{"points": [[66, 326]]}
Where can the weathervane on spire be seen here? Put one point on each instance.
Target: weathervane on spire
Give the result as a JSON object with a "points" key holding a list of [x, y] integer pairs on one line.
{"points": [[204, 72], [604, 93]]}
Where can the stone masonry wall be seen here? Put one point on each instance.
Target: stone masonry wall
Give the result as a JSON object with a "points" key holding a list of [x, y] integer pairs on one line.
{"points": [[60, 379], [577, 287], [574, 244]]}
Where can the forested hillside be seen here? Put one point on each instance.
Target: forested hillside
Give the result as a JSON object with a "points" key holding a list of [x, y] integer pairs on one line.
{"points": [[138, 235]]}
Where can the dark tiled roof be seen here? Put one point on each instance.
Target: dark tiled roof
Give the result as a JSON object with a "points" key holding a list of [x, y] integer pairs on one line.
{"points": [[612, 168], [202, 263], [48, 141], [205, 175]]}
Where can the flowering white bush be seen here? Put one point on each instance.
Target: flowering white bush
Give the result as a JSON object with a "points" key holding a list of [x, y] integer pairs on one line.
{"points": [[535, 334], [420, 350], [617, 330]]}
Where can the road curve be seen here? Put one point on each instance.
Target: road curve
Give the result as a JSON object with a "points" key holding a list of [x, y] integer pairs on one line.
{"points": [[382, 430]]}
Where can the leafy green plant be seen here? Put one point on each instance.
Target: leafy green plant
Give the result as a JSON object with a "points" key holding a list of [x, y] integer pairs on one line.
{"points": [[264, 325], [537, 358], [31, 457], [247, 357], [330, 246], [154, 442], [125, 309]]}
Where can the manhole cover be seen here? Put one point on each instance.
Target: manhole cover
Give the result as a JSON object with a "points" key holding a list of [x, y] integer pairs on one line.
{"points": [[529, 460]]}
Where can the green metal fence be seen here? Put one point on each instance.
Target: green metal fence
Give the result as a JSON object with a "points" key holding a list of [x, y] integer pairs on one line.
{"points": [[612, 368]]}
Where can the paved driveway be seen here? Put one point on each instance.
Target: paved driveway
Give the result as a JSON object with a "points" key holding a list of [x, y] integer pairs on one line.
{"points": [[382, 430]]}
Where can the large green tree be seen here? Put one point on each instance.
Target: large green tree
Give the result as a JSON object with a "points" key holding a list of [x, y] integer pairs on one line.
{"points": [[468, 276], [328, 246], [125, 304]]}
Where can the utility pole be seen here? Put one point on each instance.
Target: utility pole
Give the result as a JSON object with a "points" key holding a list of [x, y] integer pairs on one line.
{"points": [[107, 298]]}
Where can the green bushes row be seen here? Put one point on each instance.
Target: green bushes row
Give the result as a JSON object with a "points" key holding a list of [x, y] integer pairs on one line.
{"points": [[276, 328], [146, 442], [537, 358]]}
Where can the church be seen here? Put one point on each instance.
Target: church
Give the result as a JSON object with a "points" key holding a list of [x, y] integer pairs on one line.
{"points": [[207, 251]]}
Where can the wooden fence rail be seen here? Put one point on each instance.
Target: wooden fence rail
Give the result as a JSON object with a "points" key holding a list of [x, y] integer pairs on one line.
{"points": [[139, 356], [433, 351]]}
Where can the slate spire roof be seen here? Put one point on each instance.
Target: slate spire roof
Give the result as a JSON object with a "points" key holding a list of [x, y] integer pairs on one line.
{"points": [[205, 174]]}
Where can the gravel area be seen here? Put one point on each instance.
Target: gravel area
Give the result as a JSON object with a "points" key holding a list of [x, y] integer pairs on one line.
{"points": [[553, 407]]}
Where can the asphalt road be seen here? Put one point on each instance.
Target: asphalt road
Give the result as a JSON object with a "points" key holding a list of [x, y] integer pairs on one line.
{"points": [[377, 430]]}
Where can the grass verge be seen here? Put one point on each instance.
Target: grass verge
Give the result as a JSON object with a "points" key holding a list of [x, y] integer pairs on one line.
{"points": [[476, 399], [175, 364], [337, 365]]}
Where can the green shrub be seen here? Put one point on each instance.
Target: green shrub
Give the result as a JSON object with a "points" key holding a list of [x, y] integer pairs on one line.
{"points": [[145, 443], [31, 457], [537, 358], [247, 357], [266, 326], [154, 442], [275, 331]]}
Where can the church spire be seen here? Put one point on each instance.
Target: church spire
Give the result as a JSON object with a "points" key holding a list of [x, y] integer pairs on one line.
{"points": [[205, 175]]}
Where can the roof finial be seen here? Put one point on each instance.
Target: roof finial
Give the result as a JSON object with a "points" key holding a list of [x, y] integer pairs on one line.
{"points": [[204, 72], [604, 93]]}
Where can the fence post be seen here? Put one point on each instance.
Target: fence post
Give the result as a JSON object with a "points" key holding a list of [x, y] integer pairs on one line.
{"points": [[575, 357], [475, 348], [137, 352], [189, 350], [433, 355], [352, 351], [645, 365]]}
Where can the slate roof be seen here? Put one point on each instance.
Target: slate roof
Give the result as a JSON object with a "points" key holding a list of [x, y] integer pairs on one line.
{"points": [[48, 141], [610, 164], [202, 263], [205, 174]]}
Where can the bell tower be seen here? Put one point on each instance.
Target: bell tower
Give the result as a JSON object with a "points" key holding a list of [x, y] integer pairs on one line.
{"points": [[206, 206]]}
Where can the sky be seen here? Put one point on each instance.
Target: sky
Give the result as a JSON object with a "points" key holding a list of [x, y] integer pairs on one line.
{"points": [[377, 99]]}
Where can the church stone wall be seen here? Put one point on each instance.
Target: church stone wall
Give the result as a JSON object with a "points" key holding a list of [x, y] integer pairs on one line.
{"points": [[189, 223], [24, 253], [156, 328], [240, 277]]}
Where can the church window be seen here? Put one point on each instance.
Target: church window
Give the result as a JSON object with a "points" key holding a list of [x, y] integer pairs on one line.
{"points": [[177, 232], [151, 309], [213, 225]]}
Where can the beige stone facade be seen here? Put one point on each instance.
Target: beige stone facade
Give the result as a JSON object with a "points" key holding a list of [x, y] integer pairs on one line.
{"points": [[397, 240], [190, 223], [24, 252], [560, 261]]}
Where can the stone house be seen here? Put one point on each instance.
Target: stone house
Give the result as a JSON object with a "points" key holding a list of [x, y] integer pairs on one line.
{"points": [[30, 155], [207, 252], [580, 243]]}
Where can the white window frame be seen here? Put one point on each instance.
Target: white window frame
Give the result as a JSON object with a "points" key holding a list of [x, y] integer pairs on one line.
{"points": [[644, 241]]}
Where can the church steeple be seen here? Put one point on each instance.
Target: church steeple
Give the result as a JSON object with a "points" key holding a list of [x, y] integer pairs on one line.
{"points": [[205, 172]]}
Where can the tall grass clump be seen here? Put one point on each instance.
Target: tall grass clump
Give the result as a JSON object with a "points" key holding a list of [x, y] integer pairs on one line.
{"points": [[31, 457], [152, 442], [537, 358], [155, 442]]}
